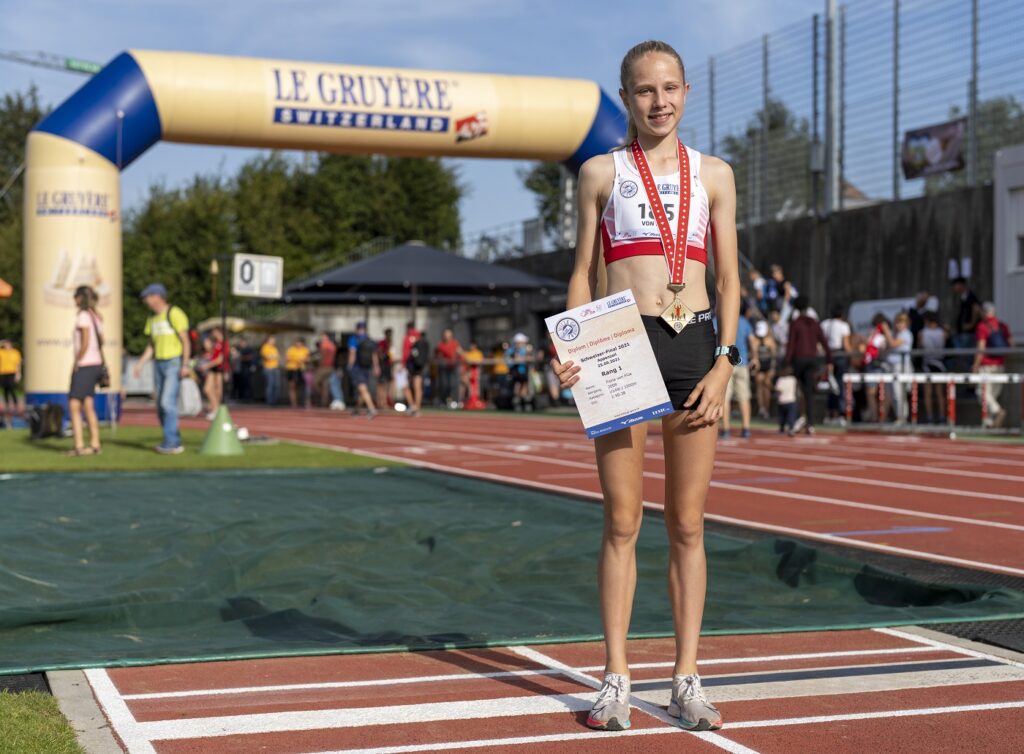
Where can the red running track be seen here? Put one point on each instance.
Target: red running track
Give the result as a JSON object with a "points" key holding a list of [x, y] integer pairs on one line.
{"points": [[893, 690], [956, 502], [855, 691]]}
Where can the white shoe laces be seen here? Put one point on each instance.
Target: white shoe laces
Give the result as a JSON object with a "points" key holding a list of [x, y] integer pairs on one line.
{"points": [[690, 688], [615, 689]]}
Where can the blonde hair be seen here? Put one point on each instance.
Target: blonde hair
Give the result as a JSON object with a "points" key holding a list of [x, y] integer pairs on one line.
{"points": [[626, 71]]}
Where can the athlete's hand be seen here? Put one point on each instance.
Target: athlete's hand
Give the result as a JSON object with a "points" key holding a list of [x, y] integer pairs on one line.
{"points": [[706, 404], [567, 373]]}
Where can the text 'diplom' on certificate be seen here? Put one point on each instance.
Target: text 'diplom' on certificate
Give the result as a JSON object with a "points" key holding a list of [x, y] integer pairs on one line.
{"points": [[620, 383]]}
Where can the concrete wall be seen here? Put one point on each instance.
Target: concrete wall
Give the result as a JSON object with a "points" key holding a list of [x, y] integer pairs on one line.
{"points": [[1009, 239]]}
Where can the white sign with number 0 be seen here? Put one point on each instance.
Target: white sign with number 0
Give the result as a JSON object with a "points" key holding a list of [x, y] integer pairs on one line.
{"points": [[257, 276]]}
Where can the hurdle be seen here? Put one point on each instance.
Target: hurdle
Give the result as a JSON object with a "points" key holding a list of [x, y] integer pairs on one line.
{"points": [[914, 381]]}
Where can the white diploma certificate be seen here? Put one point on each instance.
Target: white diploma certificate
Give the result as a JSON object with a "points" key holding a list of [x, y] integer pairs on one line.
{"points": [[620, 383]]}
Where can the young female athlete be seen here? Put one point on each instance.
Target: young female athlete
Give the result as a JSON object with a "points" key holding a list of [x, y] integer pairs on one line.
{"points": [[631, 204]]}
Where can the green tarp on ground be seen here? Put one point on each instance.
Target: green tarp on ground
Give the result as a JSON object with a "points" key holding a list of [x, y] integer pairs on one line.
{"points": [[108, 569]]}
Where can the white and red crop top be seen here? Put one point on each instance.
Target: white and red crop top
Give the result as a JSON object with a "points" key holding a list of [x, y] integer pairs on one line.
{"points": [[628, 227]]}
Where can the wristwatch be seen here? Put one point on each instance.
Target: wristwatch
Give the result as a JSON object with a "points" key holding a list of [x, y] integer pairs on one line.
{"points": [[731, 351]]}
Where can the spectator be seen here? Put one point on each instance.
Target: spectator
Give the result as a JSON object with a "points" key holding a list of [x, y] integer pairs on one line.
{"points": [[242, 381], [270, 360], [295, 360], [780, 292], [10, 376], [499, 382], [991, 334], [873, 362], [217, 365], [805, 336], [170, 347], [385, 358], [785, 387], [931, 340], [362, 361], [900, 344], [739, 384], [763, 357], [474, 359], [757, 291], [967, 319], [327, 351], [448, 354], [916, 313], [518, 358], [780, 330], [544, 357], [86, 374], [838, 333], [415, 358]]}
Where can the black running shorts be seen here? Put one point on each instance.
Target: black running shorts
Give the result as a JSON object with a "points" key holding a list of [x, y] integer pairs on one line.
{"points": [[684, 358]]}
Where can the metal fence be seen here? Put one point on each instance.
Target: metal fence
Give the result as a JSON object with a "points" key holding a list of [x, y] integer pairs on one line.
{"points": [[812, 116]]}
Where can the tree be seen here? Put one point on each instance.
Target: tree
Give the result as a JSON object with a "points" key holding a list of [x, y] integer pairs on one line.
{"points": [[1000, 124], [171, 239], [544, 179], [770, 163], [19, 112]]}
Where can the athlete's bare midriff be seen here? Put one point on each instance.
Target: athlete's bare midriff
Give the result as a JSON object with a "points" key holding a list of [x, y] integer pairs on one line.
{"points": [[647, 275]]}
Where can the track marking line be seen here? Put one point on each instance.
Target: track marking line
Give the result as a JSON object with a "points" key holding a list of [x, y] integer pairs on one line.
{"points": [[946, 646], [658, 507], [121, 718], [651, 709], [954, 710], [873, 482], [359, 717], [513, 674]]}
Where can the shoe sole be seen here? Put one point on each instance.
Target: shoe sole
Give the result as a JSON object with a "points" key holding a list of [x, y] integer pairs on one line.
{"points": [[612, 724], [702, 724]]}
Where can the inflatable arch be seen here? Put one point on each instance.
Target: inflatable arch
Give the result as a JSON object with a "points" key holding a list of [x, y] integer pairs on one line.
{"points": [[74, 156]]}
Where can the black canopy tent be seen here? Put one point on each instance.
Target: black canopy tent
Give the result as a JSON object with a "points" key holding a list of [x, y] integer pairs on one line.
{"points": [[413, 274]]}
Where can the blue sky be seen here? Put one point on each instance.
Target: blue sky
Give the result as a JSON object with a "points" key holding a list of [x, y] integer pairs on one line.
{"points": [[529, 37]]}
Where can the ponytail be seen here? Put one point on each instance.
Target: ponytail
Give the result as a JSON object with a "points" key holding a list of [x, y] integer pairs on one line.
{"points": [[626, 72]]}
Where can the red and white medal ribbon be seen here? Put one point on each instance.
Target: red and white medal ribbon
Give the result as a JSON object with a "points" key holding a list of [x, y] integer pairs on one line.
{"points": [[674, 248]]}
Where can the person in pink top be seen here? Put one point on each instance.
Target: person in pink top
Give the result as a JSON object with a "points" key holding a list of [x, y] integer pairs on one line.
{"points": [[87, 371]]}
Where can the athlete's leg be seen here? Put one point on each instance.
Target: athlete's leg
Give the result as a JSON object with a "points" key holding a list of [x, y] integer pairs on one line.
{"points": [[689, 458], [620, 461], [75, 409]]}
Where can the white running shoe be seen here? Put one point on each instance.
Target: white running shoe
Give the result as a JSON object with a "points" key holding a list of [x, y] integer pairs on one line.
{"points": [[611, 710], [691, 706]]}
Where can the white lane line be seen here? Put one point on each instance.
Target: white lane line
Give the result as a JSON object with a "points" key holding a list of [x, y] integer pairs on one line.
{"points": [[947, 647], [651, 709], [423, 679], [872, 482], [358, 717], [717, 740], [747, 523], [749, 489], [121, 718], [810, 455], [955, 710]]}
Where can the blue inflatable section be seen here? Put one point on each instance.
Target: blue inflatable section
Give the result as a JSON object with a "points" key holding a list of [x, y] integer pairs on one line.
{"points": [[607, 132], [91, 115]]}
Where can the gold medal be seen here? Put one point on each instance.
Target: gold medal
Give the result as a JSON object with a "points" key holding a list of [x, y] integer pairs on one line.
{"points": [[676, 315]]}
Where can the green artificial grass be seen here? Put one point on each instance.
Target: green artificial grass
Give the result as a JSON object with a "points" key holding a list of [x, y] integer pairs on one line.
{"points": [[31, 723], [132, 449]]}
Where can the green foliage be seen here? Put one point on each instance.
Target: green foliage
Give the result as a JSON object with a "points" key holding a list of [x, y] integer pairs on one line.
{"points": [[18, 113], [544, 179], [782, 160]]}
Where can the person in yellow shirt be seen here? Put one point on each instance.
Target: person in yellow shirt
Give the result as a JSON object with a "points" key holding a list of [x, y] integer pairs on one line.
{"points": [[296, 360], [473, 357], [270, 359], [170, 347], [10, 376]]}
